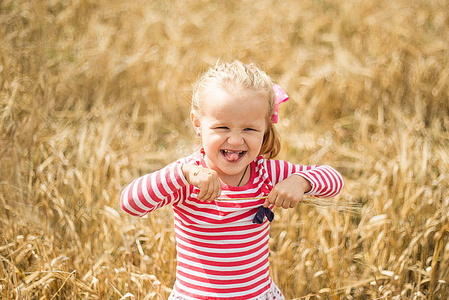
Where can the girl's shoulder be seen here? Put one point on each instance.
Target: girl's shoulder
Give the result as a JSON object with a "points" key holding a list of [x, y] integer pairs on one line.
{"points": [[276, 166], [262, 165], [262, 161]]}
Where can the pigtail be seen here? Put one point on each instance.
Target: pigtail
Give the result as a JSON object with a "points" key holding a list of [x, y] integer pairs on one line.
{"points": [[271, 144]]}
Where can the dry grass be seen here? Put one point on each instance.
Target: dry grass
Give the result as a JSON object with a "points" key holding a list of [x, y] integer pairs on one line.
{"points": [[95, 93]]}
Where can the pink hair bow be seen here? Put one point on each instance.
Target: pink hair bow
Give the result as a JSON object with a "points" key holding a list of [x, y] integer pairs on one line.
{"points": [[279, 97]]}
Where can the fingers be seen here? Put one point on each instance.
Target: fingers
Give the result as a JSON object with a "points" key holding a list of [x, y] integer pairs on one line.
{"points": [[266, 203], [209, 191], [283, 200], [287, 193], [293, 204], [208, 183]]}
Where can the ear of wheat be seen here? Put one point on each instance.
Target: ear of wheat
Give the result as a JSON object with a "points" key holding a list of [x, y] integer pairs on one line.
{"points": [[349, 206]]}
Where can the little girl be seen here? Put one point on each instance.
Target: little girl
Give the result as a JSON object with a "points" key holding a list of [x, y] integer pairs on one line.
{"points": [[223, 194]]}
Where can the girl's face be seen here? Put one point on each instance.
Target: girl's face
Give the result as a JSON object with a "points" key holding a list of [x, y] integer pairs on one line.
{"points": [[232, 129]]}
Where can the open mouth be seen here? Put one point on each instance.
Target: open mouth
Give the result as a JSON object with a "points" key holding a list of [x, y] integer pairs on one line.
{"points": [[232, 156]]}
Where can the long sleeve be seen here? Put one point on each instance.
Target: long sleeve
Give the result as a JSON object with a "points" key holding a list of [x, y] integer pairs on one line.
{"points": [[325, 180], [152, 191]]}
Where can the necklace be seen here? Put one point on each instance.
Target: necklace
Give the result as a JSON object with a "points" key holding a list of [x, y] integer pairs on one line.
{"points": [[244, 173]]}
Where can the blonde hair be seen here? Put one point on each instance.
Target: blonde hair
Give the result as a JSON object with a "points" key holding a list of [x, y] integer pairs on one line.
{"points": [[239, 77]]}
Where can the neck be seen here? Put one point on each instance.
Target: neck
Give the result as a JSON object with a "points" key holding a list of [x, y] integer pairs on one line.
{"points": [[243, 176], [236, 180], [233, 180]]}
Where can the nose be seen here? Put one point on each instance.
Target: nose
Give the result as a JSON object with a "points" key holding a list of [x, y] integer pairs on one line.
{"points": [[235, 139]]}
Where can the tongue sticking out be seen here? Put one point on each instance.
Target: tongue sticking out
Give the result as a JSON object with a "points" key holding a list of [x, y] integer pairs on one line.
{"points": [[232, 155]]}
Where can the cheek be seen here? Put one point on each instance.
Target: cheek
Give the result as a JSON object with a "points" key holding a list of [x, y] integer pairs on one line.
{"points": [[256, 141], [210, 139]]}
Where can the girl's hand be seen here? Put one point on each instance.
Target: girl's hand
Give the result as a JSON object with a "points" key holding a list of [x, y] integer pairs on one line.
{"points": [[205, 179], [289, 192]]}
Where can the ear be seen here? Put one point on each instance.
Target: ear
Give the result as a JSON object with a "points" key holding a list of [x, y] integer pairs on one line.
{"points": [[194, 117]]}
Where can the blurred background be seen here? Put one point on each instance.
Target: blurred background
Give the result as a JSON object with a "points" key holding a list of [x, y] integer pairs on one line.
{"points": [[94, 93]]}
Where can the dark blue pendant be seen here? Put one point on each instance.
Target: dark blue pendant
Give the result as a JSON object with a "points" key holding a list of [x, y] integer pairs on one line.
{"points": [[261, 212]]}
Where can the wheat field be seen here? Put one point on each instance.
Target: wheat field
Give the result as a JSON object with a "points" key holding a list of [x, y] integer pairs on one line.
{"points": [[94, 93]]}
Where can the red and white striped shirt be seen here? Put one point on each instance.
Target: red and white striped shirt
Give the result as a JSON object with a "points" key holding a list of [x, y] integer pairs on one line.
{"points": [[221, 253]]}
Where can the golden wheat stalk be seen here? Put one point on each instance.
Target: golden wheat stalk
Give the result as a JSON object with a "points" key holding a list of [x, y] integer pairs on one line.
{"points": [[340, 205]]}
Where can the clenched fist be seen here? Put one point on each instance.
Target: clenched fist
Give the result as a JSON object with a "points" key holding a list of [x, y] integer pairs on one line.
{"points": [[205, 179], [289, 192]]}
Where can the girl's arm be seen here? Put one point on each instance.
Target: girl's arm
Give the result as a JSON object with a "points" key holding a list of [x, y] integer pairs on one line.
{"points": [[154, 190], [325, 181], [291, 182]]}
